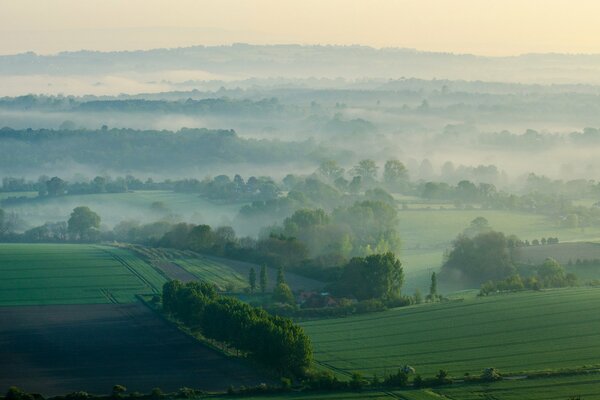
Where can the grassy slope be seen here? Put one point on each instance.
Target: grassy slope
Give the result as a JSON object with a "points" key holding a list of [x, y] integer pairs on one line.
{"points": [[527, 331], [72, 274]]}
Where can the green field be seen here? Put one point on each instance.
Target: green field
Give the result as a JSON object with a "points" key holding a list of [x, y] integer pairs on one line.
{"points": [[72, 274], [556, 388], [426, 234], [517, 332]]}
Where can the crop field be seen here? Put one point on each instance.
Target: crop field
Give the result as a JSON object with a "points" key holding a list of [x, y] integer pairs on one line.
{"points": [[58, 349], [586, 387], [517, 332], [72, 274], [187, 266], [227, 274]]}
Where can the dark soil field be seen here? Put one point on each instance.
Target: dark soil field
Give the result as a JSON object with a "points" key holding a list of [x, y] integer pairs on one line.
{"points": [[174, 271], [57, 349]]}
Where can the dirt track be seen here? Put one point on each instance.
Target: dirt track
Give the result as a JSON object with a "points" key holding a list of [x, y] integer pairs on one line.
{"points": [[60, 349]]}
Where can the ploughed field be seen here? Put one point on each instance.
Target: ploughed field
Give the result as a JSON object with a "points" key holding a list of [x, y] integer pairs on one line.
{"points": [[514, 332], [69, 321], [58, 349]]}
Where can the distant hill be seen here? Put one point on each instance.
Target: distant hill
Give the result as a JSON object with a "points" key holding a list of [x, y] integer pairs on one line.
{"points": [[245, 60]]}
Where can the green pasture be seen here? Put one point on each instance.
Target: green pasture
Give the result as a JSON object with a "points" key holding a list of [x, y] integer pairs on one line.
{"points": [[514, 332], [72, 274]]}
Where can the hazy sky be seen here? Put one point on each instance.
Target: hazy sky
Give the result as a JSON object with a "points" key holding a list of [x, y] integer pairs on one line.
{"points": [[499, 27]]}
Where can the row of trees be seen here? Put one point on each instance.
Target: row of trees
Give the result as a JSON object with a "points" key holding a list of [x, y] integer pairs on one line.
{"points": [[274, 341], [83, 226], [550, 274]]}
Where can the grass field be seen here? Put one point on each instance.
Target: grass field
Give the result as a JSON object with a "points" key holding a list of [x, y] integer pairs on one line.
{"points": [[72, 274], [517, 332]]}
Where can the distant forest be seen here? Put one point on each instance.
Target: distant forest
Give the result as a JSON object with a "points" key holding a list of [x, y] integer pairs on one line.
{"points": [[127, 149]]}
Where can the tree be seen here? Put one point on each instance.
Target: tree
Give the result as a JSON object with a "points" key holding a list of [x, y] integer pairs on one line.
{"points": [[395, 174], [477, 226], [551, 273], [490, 375], [374, 276], [15, 393], [56, 186], [280, 276], [283, 294], [83, 224], [418, 296], [476, 260], [367, 169], [263, 279], [4, 226], [118, 390], [252, 279], [330, 170], [433, 287]]}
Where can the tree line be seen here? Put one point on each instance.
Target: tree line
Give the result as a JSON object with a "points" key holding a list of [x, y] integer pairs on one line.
{"points": [[274, 341]]}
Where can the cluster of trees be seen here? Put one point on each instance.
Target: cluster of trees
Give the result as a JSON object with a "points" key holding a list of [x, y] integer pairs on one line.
{"points": [[222, 187], [378, 276], [364, 228], [83, 225], [474, 260], [365, 174], [275, 341], [550, 274]]}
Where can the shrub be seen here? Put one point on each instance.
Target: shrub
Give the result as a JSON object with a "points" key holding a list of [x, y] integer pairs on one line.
{"points": [[490, 375]]}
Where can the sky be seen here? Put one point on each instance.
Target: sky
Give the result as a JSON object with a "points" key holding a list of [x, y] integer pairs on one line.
{"points": [[485, 27]]}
